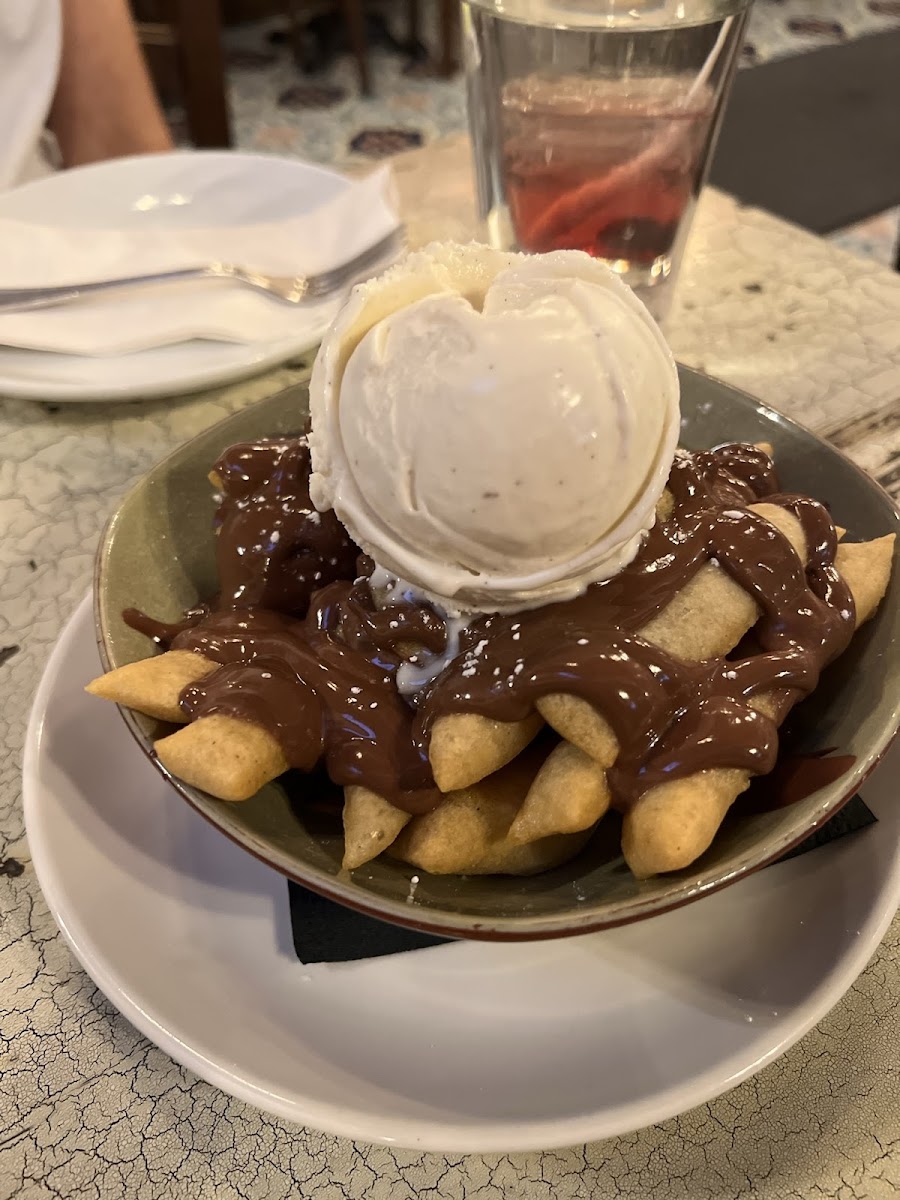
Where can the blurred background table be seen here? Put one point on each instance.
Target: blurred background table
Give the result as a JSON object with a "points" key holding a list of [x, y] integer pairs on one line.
{"points": [[89, 1109]]}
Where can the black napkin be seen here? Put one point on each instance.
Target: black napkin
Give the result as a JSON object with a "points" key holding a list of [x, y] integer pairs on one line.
{"points": [[855, 815], [327, 932]]}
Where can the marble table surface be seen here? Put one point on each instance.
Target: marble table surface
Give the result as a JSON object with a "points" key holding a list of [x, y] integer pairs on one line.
{"points": [[89, 1109]]}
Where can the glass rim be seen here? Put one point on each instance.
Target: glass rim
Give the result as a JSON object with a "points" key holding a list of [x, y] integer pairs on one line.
{"points": [[611, 15]]}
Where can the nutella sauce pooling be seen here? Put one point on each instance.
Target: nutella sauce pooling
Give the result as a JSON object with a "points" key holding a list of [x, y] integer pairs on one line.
{"points": [[273, 549], [316, 665]]}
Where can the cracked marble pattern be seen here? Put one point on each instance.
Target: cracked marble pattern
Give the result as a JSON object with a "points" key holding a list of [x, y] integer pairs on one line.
{"points": [[89, 1109]]}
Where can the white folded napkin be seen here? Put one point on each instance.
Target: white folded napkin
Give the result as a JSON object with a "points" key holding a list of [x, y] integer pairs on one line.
{"points": [[124, 322]]}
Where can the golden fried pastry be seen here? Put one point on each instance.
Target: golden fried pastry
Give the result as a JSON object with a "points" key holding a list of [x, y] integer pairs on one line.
{"points": [[299, 663], [707, 618], [371, 824], [153, 686], [469, 832]]}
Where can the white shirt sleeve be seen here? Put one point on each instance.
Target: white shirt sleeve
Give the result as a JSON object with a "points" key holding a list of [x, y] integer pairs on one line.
{"points": [[30, 45]]}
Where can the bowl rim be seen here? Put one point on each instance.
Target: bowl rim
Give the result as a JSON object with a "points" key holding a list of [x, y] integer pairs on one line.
{"points": [[340, 887]]}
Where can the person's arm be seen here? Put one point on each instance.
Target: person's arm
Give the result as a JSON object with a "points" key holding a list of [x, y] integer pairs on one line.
{"points": [[105, 105]]}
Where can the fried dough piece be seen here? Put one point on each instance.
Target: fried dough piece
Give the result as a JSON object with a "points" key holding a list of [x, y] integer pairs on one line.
{"points": [[866, 569], [466, 747], [371, 824], [706, 619], [229, 758], [152, 685], [672, 824], [569, 794], [468, 833]]}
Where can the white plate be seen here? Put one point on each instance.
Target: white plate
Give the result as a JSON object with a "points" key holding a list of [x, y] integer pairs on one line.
{"points": [[465, 1047], [184, 189]]}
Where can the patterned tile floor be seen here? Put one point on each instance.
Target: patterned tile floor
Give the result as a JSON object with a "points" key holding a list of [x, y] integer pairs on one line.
{"points": [[322, 117]]}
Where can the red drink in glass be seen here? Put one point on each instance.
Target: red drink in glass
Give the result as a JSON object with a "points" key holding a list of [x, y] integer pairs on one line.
{"points": [[593, 123], [593, 166]]}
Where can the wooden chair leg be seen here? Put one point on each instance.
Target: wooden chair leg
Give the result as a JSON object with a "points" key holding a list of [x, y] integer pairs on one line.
{"points": [[202, 69], [413, 22], [447, 64], [355, 17]]}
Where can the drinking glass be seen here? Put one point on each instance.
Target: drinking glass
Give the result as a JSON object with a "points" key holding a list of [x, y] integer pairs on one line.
{"points": [[593, 124]]}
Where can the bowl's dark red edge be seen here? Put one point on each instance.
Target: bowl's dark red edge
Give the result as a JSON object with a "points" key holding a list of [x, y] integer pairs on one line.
{"points": [[475, 933]]}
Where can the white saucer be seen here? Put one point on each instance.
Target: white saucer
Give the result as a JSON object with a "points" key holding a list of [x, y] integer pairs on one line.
{"points": [[187, 188], [465, 1047]]}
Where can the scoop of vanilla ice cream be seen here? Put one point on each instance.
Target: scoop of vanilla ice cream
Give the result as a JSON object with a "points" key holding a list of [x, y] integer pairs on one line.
{"points": [[495, 429]]}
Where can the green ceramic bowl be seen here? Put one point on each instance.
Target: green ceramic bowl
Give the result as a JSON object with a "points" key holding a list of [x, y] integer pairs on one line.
{"points": [[157, 554]]}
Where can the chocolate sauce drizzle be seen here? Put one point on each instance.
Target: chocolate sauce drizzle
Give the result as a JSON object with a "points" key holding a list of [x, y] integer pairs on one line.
{"points": [[305, 653]]}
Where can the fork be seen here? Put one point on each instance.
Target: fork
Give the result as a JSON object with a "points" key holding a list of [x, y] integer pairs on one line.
{"points": [[292, 289]]}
